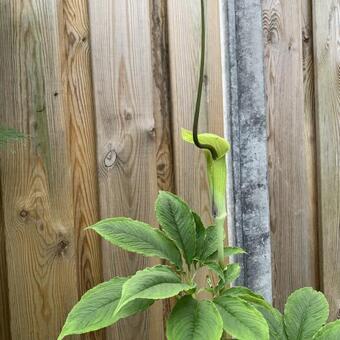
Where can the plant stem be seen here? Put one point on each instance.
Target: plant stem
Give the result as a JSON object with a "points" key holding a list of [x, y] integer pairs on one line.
{"points": [[216, 166], [200, 88], [218, 172]]}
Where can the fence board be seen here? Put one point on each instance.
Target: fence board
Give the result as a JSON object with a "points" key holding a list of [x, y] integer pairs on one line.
{"points": [[326, 39], [74, 36], [126, 136], [292, 192], [162, 107], [184, 48], [5, 325], [36, 181]]}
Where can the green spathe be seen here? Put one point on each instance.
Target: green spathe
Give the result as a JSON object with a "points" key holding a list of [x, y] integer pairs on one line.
{"points": [[220, 144], [217, 175]]}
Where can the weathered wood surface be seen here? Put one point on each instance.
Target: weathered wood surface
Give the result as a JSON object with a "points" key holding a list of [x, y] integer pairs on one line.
{"points": [[78, 99], [126, 137], [290, 147], [246, 119], [326, 43], [36, 175], [162, 108], [5, 325]]}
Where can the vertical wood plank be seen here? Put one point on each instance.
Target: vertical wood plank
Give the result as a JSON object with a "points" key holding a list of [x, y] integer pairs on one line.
{"points": [[35, 176], [126, 136], [74, 34], [184, 47], [5, 324], [162, 108], [161, 95], [326, 43], [290, 150]]}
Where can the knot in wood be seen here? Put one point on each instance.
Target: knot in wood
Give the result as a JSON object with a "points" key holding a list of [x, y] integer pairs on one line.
{"points": [[110, 159], [23, 213], [62, 247], [152, 132]]}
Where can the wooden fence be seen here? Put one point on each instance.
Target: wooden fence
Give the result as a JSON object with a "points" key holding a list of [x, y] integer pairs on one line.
{"points": [[104, 123], [105, 137], [302, 78]]}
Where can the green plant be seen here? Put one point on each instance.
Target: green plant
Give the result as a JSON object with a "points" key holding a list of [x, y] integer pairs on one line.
{"points": [[305, 316], [188, 245]]}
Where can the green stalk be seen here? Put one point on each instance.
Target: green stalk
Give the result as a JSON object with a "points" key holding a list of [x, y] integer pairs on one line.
{"points": [[200, 88], [217, 172], [216, 162]]}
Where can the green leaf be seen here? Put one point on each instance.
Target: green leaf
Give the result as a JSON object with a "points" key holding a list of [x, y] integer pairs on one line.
{"points": [[138, 237], [96, 308], [241, 320], [239, 290], [273, 317], [305, 312], [248, 296], [194, 320], [200, 234], [220, 144], [331, 331], [216, 268], [274, 320], [228, 251], [177, 222], [231, 272], [155, 283], [210, 243]]}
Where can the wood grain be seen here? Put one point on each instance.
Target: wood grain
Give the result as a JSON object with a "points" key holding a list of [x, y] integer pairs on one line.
{"points": [[290, 149], [36, 176], [161, 94], [126, 136], [184, 47], [5, 323], [326, 43], [162, 108], [77, 87]]}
